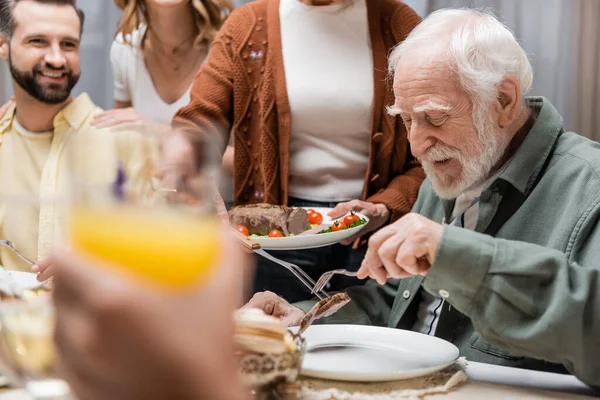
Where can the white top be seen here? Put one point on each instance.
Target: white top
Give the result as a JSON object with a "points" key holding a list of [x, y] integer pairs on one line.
{"points": [[133, 82], [430, 306], [328, 64]]}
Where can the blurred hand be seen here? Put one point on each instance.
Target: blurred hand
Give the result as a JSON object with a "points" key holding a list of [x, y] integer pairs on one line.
{"points": [[4, 108], [378, 215], [405, 248], [116, 117], [276, 306], [44, 269], [180, 169], [120, 339]]}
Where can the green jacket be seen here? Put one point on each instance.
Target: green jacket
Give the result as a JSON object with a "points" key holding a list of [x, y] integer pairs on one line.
{"points": [[525, 285]]}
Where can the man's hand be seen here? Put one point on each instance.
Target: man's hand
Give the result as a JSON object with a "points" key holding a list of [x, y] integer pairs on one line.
{"points": [[405, 248], [378, 215], [119, 338], [274, 305], [44, 269]]}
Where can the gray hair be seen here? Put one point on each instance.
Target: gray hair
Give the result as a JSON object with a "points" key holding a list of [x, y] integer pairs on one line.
{"points": [[7, 20], [480, 48]]}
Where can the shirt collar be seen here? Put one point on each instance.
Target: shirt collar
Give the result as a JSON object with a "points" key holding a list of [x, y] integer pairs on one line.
{"points": [[74, 114], [524, 167], [6, 119]]}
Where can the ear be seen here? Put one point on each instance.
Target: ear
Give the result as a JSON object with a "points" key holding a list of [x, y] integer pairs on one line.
{"points": [[4, 43], [508, 103]]}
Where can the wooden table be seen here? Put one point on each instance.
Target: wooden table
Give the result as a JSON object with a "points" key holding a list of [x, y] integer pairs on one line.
{"points": [[487, 382]]}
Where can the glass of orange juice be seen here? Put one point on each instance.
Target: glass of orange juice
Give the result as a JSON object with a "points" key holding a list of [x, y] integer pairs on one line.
{"points": [[149, 208]]}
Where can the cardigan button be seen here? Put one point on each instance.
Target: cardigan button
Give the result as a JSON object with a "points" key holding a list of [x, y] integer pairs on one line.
{"points": [[406, 294], [377, 137]]}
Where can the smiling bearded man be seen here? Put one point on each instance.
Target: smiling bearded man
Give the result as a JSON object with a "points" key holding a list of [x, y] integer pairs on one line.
{"points": [[513, 279], [45, 83], [40, 40]]}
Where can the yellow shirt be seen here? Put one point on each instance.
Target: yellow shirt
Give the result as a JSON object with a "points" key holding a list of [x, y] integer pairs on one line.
{"points": [[34, 172]]}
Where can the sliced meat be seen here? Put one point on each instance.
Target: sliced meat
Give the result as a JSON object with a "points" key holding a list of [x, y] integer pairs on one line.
{"points": [[332, 304], [298, 221], [260, 219], [324, 308]]}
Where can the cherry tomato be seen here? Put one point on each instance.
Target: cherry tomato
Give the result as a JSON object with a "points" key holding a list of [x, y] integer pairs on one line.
{"points": [[338, 226], [275, 233], [315, 218], [310, 211], [348, 220], [354, 216], [243, 230]]}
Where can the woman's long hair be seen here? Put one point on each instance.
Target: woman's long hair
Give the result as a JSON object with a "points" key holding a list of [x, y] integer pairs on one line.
{"points": [[209, 16]]}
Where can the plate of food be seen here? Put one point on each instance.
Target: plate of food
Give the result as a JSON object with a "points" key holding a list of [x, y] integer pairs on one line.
{"points": [[294, 228], [361, 353]]}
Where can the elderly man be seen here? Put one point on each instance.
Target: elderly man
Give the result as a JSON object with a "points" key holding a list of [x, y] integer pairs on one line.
{"points": [[40, 41], [513, 278]]}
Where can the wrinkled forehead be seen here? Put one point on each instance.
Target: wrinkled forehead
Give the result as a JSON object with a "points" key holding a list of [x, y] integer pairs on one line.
{"points": [[32, 18], [432, 61], [425, 83]]}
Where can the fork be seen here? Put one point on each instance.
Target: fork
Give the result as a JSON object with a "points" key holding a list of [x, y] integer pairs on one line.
{"points": [[298, 272], [8, 243], [326, 277]]}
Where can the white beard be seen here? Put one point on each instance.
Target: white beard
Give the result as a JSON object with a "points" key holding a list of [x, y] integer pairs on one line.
{"points": [[477, 158]]}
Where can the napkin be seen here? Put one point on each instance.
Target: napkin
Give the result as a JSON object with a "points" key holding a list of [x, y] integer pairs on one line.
{"points": [[411, 389]]}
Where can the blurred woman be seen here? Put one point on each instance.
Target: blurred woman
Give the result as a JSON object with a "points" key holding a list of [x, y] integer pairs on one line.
{"points": [[158, 49]]}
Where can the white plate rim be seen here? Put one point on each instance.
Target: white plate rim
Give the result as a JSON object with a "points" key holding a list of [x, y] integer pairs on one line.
{"points": [[375, 377], [21, 277]]}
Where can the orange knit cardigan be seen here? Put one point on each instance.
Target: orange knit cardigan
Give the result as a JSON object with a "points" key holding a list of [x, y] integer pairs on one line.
{"points": [[242, 89]]}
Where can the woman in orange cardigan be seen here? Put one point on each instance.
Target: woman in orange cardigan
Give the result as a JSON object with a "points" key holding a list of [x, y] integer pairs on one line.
{"points": [[302, 86]]}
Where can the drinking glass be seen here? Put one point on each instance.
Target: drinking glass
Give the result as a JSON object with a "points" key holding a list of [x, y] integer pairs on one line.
{"points": [[147, 208], [27, 342]]}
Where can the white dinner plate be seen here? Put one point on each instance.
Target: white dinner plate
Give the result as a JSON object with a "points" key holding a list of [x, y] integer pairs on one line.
{"points": [[24, 280], [373, 354], [311, 241]]}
